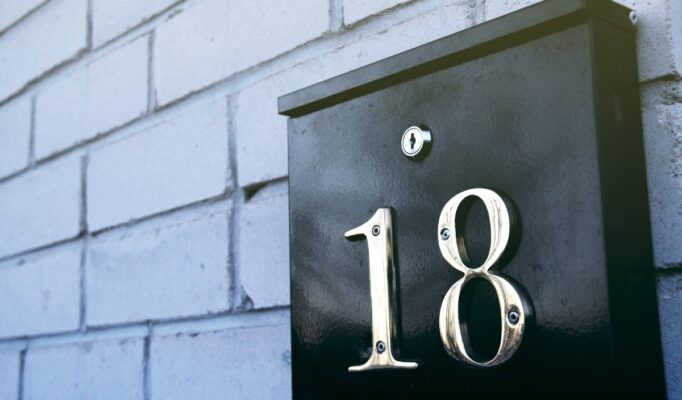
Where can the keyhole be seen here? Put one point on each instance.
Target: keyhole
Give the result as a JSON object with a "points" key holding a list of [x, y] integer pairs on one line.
{"points": [[415, 141]]}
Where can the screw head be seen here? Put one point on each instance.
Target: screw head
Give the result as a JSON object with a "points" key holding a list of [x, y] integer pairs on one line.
{"points": [[415, 142], [513, 317], [445, 234], [381, 347], [633, 18], [376, 230]]}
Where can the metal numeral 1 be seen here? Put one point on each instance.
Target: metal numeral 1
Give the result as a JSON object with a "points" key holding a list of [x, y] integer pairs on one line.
{"points": [[378, 232], [514, 307]]}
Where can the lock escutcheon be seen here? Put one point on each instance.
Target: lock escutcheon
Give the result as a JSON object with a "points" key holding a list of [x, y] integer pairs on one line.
{"points": [[416, 141]]}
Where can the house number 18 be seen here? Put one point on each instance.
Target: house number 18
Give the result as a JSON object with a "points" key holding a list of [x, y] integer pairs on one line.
{"points": [[514, 308]]}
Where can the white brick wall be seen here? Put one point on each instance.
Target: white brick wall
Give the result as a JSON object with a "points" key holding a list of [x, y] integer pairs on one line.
{"points": [[12, 11], [41, 207], [15, 135], [670, 308], [143, 164], [356, 10], [250, 363], [112, 18], [229, 36], [42, 295], [264, 275], [9, 374], [660, 37], [53, 34], [98, 97], [179, 161], [168, 271], [92, 370], [664, 155], [495, 8]]}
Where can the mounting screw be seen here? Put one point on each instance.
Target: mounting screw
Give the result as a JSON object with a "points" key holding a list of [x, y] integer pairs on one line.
{"points": [[416, 142], [633, 18], [513, 317], [376, 230], [445, 234], [381, 347]]}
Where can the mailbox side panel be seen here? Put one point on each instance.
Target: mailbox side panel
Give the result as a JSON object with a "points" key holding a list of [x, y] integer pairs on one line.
{"points": [[628, 244]]}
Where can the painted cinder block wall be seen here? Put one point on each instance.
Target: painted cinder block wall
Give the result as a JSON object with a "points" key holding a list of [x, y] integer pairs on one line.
{"points": [[143, 182]]}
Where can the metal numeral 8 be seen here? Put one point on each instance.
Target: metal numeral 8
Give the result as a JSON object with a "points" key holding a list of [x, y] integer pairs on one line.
{"points": [[514, 309]]}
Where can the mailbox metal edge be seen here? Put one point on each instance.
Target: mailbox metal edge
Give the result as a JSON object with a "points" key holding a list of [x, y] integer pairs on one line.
{"points": [[506, 31]]}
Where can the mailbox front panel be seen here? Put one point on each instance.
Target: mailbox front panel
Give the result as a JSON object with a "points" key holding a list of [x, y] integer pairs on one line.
{"points": [[528, 121]]}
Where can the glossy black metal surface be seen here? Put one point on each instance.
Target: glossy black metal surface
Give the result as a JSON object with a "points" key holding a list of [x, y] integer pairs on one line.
{"points": [[553, 123]]}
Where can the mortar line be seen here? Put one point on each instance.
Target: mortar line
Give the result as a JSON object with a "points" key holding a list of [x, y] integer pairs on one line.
{"points": [[146, 378], [88, 26], [82, 323], [252, 190], [335, 15], [100, 332], [32, 133], [160, 216], [151, 90], [85, 161], [82, 285], [22, 371], [675, 269], [478, 11], [234, 291], [39, 249], [21, 19], [150, 22]]}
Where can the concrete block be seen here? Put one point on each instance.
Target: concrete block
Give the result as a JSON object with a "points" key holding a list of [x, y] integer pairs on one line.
{"points": [[264, 275], [171, 271], [101, 96], [181, 160], [248, 363], [262, 133], [12, 11], [213, 39], [670, 309], [663, 141], [15, 135], [40, 295], [356, 10], [496, 8], [9, 375], [659, 37], [40, 207], [52, 35], [100, 370], [112, 18]]}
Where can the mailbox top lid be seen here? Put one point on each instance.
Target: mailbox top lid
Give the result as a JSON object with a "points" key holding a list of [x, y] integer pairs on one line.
{"points": [[506, 31]]}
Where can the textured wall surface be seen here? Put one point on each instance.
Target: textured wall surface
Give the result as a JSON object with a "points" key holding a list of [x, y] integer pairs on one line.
{"points": [[143, 207]]}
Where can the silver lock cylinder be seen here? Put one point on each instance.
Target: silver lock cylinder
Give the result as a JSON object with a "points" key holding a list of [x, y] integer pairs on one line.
{"points": [[416, 142]]}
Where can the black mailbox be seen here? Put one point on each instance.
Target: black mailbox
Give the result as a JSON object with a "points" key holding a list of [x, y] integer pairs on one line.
{"points": [[513, 149]]}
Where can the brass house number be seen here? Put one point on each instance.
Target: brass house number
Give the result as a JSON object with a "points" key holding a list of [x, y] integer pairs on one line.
{"points": [[514, 307]]}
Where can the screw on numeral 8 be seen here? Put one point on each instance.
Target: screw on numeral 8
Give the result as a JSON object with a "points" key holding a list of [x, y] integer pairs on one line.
{"points": [[515, 310]]}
